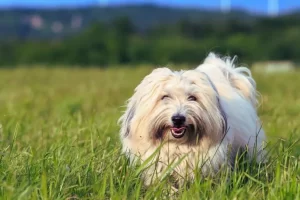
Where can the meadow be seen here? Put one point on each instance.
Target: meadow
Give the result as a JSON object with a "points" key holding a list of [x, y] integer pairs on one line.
{"points": [[59, 139]]}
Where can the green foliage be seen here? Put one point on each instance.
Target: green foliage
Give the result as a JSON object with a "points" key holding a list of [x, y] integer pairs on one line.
{"points": [[121, 40], [59, 139]]}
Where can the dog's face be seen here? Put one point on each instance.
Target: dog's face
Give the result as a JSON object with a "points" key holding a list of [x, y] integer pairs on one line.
{"points": [[178, 107], [176, 114]]}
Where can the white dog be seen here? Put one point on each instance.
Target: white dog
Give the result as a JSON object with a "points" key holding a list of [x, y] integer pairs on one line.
{"points": [[192, 120]]}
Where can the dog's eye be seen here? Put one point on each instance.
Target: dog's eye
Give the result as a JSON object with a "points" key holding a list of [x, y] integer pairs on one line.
{"points": [[164, 97], [192, 98]]}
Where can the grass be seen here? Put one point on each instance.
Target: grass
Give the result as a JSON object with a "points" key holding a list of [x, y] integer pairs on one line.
{"points": [[59, 139]]}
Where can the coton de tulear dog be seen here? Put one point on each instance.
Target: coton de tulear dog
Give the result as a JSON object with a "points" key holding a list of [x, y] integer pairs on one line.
{"points": [[192, 120]]}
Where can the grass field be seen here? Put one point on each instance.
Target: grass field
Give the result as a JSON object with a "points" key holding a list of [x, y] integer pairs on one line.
{"points": [[59, 139]]}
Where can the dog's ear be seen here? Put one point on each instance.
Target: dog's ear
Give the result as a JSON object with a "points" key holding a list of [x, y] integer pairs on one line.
{"points": [[219, 104], [142, 93], [125, 119], [224, 116]]}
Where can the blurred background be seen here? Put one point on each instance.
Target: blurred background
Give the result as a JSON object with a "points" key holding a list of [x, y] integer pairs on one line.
{"points": [[103, 33]]}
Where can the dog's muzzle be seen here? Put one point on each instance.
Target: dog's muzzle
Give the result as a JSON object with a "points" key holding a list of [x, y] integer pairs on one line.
{"points": [[178, 129]]}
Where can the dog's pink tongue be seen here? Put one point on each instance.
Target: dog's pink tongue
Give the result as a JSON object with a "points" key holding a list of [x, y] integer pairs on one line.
{"points": [[178, 130]]}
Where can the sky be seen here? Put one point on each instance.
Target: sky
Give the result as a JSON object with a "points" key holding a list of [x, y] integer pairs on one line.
{"points": [[255, 6]]}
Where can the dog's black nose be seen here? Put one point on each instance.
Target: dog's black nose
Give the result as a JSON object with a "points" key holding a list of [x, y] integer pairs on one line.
{"points": [[178, 119]]}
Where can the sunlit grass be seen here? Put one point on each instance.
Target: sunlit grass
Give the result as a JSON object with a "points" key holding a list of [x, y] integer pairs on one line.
{"points": [[59, 139]]}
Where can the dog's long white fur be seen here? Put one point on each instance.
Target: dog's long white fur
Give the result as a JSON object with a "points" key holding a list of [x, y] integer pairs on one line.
{"points": [[222, 89]]}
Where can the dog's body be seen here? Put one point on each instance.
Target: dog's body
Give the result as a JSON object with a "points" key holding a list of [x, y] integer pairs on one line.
{"points": [[198, 119]]}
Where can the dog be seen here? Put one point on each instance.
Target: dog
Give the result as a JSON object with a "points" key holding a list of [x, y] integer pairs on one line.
{"points": [[191, 120]]}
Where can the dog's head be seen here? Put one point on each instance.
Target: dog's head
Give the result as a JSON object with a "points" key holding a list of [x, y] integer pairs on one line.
{"points": [[182, 107]]}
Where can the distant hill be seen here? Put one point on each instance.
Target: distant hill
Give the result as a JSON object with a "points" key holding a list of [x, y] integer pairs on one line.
{"points": [[50, 23], [148, 34]]}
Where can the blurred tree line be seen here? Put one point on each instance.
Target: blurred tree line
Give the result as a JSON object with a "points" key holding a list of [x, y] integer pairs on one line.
{"points": [[120, 42]]}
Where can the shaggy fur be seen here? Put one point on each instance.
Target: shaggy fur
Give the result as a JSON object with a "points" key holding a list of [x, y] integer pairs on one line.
{"points": [[217, 103]]}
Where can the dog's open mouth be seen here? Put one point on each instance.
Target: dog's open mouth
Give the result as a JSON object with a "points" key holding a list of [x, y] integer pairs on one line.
{"points": [[178, 132]]}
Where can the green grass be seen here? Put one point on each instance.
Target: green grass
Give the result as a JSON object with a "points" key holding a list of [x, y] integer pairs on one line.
{"points": [[59, 139]]}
